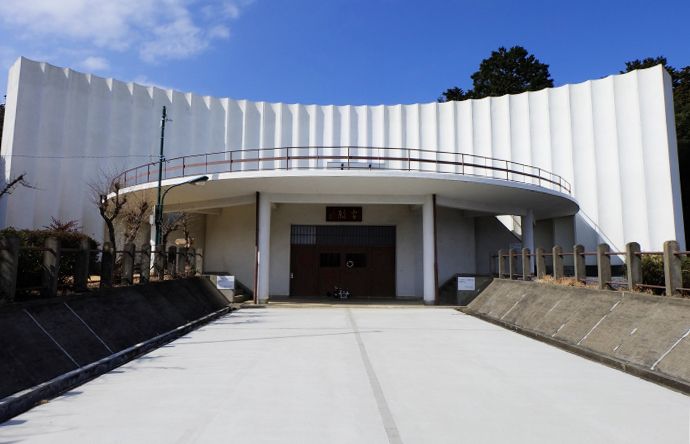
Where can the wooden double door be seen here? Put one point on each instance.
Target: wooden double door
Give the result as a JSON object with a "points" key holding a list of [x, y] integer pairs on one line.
{"points": [[364, 265]]}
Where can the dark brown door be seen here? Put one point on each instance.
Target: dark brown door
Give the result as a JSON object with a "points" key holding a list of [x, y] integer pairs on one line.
{"points": [[303, 269]]}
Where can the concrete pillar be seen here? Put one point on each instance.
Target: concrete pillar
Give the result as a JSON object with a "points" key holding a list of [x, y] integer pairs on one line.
{"points": [[128, 264], [633, 264], [9, 266], [190, 270], [107, 263], [526, 268], [181, 262], [603, 266], [145, 275], [557, 257], [672, 267], [512, 263], [51, 267], [541, 263], [159, 262], [264, 248], [199, 260], [527, 224], [579, 262], [81, 272], [429, 250], [501, 263], [171, 260]]}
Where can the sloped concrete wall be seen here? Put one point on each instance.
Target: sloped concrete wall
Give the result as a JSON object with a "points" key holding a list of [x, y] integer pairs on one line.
{"points": [[44, 340], [649, 332]]}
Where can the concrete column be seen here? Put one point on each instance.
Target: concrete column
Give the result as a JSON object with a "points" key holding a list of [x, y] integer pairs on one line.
{"points": [[501, 263], [527, 223], [557, 256], [107, 263], [541, 263], [429, 250], [9, 266], [81, 272], [579, 262], [603, 266], [633, 264], [128, 264], [512, 263], [672, 267], [145, 275], [51, 267], [181, 262], [264, 248], [526, 269]]}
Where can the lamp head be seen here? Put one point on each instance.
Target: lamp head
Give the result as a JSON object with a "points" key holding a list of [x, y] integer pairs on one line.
{"points": [[199, 180]]}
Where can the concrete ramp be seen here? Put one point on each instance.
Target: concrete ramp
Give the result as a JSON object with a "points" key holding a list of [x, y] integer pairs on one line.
{"points": [[644, 334]]}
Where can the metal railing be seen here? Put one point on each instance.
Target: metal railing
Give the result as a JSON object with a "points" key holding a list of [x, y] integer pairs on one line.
{"points": [[673, 264], [345, 158]]}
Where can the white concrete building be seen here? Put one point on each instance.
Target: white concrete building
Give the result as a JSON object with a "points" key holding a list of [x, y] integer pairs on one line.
{"points": [[384, 200]]}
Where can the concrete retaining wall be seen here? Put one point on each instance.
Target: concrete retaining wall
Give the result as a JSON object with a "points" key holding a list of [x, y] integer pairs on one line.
{"points": [[44, 340], [644, 334]]}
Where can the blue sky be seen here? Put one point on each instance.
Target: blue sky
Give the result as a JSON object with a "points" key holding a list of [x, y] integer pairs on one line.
{"points": [[334, 51]]}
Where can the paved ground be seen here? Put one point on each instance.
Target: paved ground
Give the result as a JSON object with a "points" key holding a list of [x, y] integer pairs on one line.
{"points": [[358, 375]]}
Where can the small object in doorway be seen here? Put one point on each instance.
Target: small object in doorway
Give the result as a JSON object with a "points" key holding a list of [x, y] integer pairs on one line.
{"points": [[340, 293]]}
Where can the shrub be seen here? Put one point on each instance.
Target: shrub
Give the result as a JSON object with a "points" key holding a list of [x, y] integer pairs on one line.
{"points": [[653, 270]]}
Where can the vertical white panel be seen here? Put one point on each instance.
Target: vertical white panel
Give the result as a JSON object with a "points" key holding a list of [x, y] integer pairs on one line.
{"points": [[428, 131], [630, 159], [446, 137], [481, 135], [396, 140], [315, 133], [464, 129], [500, 134], [561, 133], [521, 148], [606, 165], [412, 136], [378, 132]]}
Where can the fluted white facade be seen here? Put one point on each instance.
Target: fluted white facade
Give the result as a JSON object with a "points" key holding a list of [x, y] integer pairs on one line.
{"points": [[613, 139]]}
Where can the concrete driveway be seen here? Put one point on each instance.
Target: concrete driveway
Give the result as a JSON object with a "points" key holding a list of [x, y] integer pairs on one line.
{"points": [[358, 375]]}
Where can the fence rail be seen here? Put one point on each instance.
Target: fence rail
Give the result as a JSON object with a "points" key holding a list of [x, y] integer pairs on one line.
{"points": [[672, 259], [345, 158], [116, 267]]}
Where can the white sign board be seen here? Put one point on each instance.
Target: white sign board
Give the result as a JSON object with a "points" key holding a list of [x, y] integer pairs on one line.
{"points": [[225, 282], [466, 283]]}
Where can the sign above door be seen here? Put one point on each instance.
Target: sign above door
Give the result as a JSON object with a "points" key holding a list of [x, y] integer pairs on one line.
{"points": [[343, 214]]}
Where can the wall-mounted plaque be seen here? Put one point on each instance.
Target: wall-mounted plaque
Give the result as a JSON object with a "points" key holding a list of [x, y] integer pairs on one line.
{"points": [[343, 214]]}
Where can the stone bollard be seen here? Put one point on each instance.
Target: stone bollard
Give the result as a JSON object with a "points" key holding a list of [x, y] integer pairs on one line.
{"points": [[633, 265], [159, 262], [191, 262], [51, 268], [672, 267], [603, 266], [501, 264], [541, 263], [181, 261], [579, 262], [107, 264], [171, 260], [557, 258], [526, 272], [512, 263], [81, 272], [9, 266], [199, 260], [145, 274], [128, 264]]}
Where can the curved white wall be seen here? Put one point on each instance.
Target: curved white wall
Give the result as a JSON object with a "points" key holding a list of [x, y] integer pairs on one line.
{"points": [[613, 139]]}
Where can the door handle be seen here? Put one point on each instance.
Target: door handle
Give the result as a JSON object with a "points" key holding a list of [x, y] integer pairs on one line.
{"points": [[292, 275]]}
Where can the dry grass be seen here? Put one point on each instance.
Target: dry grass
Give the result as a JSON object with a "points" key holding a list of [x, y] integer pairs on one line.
{"points": [[565, 281]]}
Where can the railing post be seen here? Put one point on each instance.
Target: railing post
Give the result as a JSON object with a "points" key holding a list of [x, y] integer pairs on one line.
{"points": [[128, 264], [512, 263], [145, 274], [81, 273], [51, 267], [541, 263], [180, 261], [199, 260], [172, 256], [603, 266], [557, 260], [107, 263], [191, 262], [159, 260], [526, 272], [633, 265], [501, 264], [672, 267], [579, 262], [9, 265]]}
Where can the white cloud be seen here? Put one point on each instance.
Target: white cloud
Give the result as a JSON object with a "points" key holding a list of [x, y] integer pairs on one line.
{"points": [[145, 81], [95, 64], [156, 29]]}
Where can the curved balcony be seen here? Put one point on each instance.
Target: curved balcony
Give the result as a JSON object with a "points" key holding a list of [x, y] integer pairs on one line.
{"points": [[346, 158]]}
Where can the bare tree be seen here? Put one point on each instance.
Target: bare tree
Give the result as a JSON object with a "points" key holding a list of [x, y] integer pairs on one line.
{"points": [[14, 183], [105, 191], [134, 216], [171, 222]]}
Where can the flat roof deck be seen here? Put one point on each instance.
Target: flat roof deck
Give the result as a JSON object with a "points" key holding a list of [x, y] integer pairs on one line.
{"points": [[358, 374]]}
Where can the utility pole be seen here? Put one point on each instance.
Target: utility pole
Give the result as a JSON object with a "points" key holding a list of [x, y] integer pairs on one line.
{"points": [[159, 201]]}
